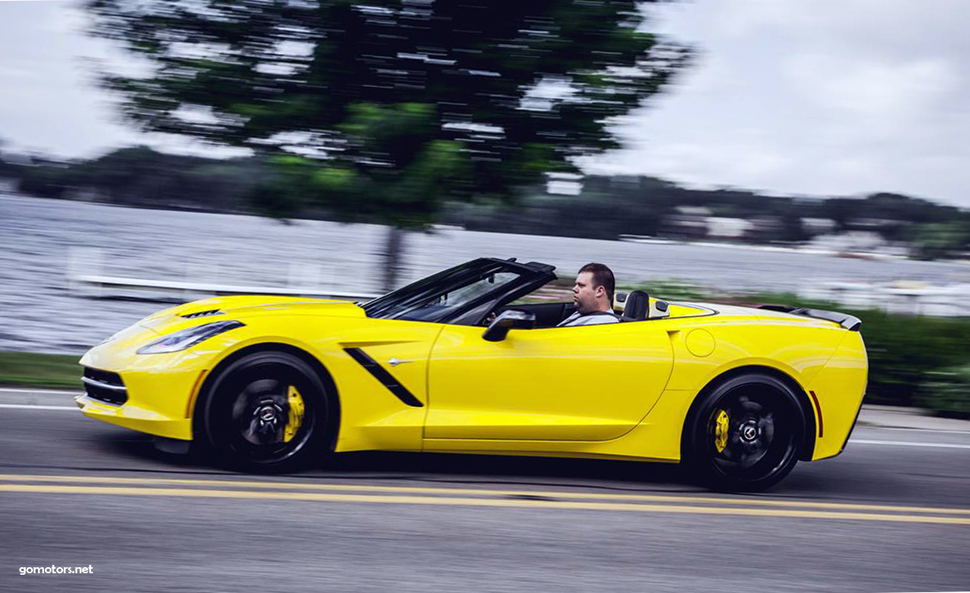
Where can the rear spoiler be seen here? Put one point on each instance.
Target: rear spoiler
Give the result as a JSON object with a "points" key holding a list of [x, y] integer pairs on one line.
{"points": [[847, 321]]}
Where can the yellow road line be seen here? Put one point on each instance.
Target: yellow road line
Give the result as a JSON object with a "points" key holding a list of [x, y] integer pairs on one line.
{"points": [[479, 502], [481, 492]]}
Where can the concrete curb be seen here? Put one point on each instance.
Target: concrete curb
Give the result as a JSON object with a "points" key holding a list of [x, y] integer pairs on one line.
{"points": [[911, 418]]}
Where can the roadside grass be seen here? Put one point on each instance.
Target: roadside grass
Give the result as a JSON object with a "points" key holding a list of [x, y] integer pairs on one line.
{"points": [[40, 370]]}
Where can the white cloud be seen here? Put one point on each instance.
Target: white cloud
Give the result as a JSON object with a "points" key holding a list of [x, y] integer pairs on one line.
{"points": [[823, 97], [870, 88], [10, 72]]}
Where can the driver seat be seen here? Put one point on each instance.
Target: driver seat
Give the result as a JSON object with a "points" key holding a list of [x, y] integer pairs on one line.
{"points": [[637, 306]]}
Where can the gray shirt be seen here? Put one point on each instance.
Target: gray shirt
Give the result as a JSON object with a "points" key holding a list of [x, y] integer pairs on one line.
{"points": [[594, 318]]}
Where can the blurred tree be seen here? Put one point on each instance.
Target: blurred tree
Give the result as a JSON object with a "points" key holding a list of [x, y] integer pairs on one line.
{"points": [[5, 168], [792, 229], [936, 240], [44, 178], [381, 111]]}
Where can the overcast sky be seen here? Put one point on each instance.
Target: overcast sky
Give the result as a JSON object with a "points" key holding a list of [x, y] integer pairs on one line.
{"points": [[813, 97]]}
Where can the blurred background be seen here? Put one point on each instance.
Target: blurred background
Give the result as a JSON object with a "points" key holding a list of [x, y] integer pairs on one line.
{"points": [[754, 151]]}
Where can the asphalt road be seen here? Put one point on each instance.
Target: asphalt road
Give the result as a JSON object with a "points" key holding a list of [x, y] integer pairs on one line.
{"points": [[891, 514]]}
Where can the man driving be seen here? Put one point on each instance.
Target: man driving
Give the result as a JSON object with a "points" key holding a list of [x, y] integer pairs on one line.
{"points": [[592, 297]]}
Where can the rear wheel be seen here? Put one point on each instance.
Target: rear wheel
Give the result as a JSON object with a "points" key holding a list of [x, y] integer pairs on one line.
{"points": [[267, 412], [744, 435]]}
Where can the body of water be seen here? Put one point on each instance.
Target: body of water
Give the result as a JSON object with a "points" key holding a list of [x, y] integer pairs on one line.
{"points": [[40, 312]]}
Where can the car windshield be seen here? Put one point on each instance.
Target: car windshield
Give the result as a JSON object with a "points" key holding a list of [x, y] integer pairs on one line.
{"points": [[436, 297]]}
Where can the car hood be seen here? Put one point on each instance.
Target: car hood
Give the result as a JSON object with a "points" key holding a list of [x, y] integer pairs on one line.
{"points": [[243, 307]]}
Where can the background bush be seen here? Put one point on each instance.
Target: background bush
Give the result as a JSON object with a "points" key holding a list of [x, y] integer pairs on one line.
{"points": [[908, 352], [947, 393]]}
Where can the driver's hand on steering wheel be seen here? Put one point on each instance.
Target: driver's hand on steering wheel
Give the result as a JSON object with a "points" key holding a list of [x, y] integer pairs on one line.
{"points": [[490, 318]]}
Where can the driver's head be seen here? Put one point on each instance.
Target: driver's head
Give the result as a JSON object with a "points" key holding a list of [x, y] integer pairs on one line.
{"points": [[593, 290]]}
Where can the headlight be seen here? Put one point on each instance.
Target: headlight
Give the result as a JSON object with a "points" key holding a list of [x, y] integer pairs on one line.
{"points": [[187, 338]]}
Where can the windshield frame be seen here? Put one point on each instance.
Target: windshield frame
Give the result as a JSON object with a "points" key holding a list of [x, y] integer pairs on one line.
{"points": [[530, 275]]}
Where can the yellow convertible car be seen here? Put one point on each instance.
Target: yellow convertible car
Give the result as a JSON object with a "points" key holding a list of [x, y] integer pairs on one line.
{"points": [[464, 361]]}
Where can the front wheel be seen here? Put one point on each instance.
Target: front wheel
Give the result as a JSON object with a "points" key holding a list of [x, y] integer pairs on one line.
{"points": [[744, 434], [267, 412]]}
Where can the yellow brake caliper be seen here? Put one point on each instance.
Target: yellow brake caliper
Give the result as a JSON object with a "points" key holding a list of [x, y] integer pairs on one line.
{"points": [[721, 425], [295, 418]]}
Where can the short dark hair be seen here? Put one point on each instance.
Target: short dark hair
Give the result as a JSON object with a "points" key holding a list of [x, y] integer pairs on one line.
{"points": [[602, 276]]}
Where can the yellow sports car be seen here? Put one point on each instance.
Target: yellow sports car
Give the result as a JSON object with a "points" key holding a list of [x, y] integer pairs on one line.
{"points": [[462, 361]]}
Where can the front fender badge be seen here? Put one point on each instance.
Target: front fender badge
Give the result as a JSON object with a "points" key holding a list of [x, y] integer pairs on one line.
{"points": [[295, 417], [721, 425]]}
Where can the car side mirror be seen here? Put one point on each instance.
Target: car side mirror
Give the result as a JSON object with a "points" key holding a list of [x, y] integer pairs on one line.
{"points": [[508, 320]]}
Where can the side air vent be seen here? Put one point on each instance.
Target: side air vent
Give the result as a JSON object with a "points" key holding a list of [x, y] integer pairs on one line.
{"points": [[202, 314]]}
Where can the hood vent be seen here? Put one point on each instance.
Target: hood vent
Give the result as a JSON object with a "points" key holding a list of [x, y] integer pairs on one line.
{"points": [[209, 313]]}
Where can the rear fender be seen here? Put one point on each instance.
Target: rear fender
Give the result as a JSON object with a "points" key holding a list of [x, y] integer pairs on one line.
{"points": [[839, 389]]}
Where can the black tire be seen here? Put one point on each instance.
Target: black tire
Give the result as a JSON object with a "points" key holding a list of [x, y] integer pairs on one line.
{"points": [[756, 444], [248, 420]]}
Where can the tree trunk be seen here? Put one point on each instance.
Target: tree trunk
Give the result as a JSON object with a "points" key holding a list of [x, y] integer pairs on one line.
{"points": [[392, 257]]}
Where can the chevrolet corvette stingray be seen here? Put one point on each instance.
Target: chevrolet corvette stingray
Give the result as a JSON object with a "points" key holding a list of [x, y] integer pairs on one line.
{"points": [[464, 361]]}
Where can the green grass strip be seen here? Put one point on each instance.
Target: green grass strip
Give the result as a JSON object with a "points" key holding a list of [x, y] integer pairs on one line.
{"points": [[40, 370]]}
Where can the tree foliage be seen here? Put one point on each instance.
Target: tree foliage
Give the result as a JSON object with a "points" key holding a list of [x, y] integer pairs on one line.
{"points": [[382, 110]]}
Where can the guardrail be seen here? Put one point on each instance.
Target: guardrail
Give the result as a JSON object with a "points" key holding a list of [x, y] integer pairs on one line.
{"points": [[84, 279], [902, 297]]}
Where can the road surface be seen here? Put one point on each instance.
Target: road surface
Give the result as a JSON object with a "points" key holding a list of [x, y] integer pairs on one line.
{"points": [[890, 514]]}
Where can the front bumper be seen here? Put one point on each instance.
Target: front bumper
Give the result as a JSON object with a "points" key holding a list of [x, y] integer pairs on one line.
{"points": [[160, 389], [135, 417]]}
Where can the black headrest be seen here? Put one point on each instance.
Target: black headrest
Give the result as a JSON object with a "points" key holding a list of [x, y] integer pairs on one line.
{"points": [[637, 306]]}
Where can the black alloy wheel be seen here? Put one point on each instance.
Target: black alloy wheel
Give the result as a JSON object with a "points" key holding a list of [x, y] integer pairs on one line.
{"points": [[745, 434], [267, 412]]}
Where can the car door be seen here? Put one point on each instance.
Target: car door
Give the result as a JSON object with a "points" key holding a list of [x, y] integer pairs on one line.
{"points": [[584, 383]]}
